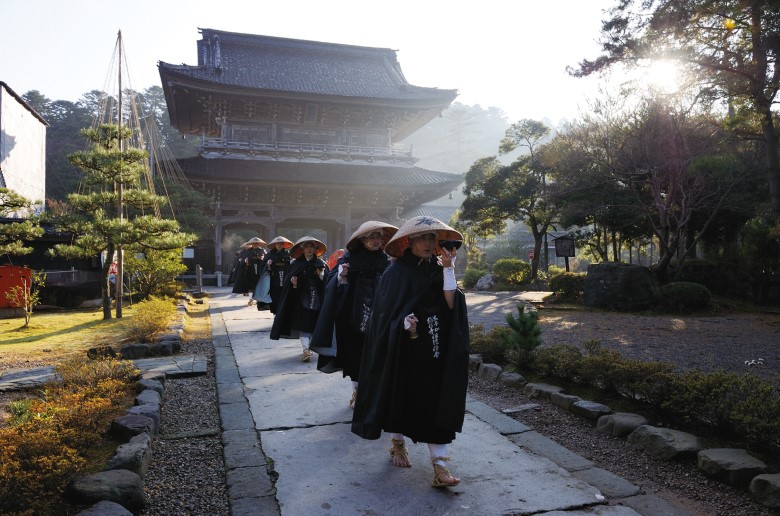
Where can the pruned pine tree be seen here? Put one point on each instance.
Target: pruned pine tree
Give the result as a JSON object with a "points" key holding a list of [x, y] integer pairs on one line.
{"points": [[93, 218]]}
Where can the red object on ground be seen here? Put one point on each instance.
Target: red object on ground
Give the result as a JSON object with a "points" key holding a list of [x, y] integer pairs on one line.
{"points": [[335, 258], [12, 276]]}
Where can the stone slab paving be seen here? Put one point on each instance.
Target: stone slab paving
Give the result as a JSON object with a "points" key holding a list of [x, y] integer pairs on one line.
{"points": [[297, 420]]}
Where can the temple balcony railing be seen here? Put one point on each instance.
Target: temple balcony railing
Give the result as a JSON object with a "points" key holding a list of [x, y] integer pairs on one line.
{"points": [[306, 150]]}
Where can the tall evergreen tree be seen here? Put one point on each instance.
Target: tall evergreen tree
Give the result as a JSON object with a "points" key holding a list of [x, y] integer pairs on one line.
{"points": [[113, 183]]}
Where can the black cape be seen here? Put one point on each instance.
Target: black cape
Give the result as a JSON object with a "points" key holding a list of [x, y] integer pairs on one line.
{"points": [[337, 312], [249, 269], [378, 396], [290, 300], [277, 270]]}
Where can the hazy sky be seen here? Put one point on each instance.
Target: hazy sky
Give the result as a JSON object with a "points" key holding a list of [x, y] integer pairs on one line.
{"points": [[511, 54]]}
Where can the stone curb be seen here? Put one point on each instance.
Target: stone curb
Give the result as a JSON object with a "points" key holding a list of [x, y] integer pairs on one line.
{"points": [[608, 483], [249, 480]]}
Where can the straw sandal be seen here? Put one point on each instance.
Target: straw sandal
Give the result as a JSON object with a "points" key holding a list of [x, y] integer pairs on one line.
{"points": [[306, 355], [441, 475], [353, 399], [398, 454]]}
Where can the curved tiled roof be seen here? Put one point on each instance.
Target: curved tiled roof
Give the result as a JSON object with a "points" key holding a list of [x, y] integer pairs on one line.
{"points": [[302, 67], [322, 173]]}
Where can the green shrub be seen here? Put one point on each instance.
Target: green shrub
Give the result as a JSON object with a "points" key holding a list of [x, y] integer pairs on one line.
{"points": [[471, 277], [558, 360], [512, 272], [150, 317], [703, 272], [489, 344], [683, 297], [154, 272], [635, 379], [568, 286]]}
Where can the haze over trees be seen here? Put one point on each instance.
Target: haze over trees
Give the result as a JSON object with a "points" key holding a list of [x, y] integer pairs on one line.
{"points": [[728, 48]]}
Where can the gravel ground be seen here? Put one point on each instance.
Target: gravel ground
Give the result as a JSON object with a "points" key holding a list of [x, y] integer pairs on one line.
{"points": [[187, 475]]}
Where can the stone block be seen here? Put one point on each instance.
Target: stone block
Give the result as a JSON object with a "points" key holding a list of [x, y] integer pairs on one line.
{"points": [[145, 383], [563, 400], [105, 508], [489, 372], [513, 380], [665, 443], [765, 489], [126, 427], [608, 483], [620, 424], [117, 485], [474, 362], [589, 409], [541, 390], [731, 465], [619, 286], [150, 410], [148, 396], [135, 456], [134, 351], [501, 422]]}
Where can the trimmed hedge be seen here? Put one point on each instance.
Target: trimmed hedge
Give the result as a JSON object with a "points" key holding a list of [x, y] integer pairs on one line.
{"points": [[729, 403], [568, 286], [512, 272], [683, 297]]}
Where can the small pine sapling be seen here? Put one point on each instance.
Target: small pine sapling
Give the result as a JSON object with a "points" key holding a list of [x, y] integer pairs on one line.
{"points": [[524, 337]]}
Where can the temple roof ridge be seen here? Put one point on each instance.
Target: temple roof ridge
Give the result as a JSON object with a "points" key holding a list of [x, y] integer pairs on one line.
{"points": [[275, 64]]}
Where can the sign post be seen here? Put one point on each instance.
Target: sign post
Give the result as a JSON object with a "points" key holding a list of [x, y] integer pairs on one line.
{"points": [[564, 246]]}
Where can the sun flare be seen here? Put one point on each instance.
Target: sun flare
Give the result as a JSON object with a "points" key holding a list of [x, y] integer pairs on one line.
{"points": [[663, 76]]}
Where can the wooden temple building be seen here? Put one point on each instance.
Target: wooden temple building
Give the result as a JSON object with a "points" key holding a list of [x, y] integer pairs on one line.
{"points": [[300, 137]]}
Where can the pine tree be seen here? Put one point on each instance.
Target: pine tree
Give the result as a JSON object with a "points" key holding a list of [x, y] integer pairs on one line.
{"points": [[524, 337], [93, 218], [13, 234]]}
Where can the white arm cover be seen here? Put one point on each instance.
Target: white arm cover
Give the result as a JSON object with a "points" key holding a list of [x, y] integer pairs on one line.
{"points": [[450, 283]]}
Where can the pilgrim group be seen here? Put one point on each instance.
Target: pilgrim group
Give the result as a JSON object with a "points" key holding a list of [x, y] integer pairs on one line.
{"points": [[387, 313]]}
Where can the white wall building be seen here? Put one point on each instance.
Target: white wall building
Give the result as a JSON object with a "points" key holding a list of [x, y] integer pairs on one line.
{"points": [[22, 148]]}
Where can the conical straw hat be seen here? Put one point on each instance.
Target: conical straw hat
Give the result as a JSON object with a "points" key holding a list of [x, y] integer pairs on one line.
{"points": [[334, 258], [368, 227], [297, 249], [253, 241], [281, 240], [419, 226]]}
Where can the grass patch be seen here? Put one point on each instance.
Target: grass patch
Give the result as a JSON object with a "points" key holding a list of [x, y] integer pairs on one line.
{"points": [[53, 337]]}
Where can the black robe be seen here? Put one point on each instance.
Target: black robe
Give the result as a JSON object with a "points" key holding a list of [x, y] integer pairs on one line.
{"points": [[296, 311], [346, 309], [249, 270], [277, 270], [414, 387]]}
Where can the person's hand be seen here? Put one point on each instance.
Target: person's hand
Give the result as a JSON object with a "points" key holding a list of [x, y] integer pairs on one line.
{"points": [[270, 262], [410, 324], [294, 281], [343, 273], [447, 257]]}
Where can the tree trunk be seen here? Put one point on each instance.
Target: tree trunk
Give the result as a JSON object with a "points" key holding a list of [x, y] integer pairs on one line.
{"points": [[615, 245], [105, 284]]}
